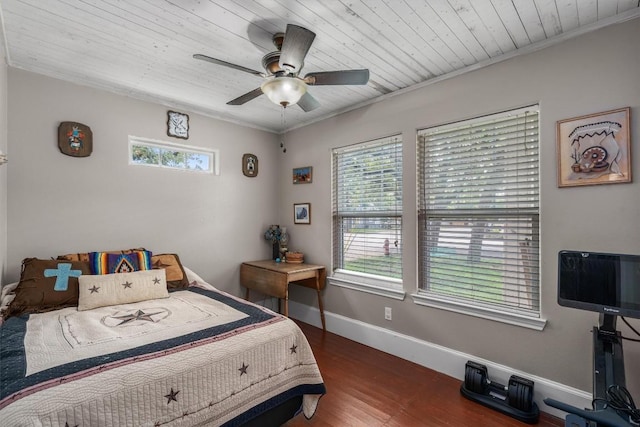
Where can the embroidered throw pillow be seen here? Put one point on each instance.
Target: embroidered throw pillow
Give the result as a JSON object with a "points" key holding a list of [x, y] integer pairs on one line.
{"points": [[110, 263], [47, 285], [121, 288], [84, 256], [176, 277]]}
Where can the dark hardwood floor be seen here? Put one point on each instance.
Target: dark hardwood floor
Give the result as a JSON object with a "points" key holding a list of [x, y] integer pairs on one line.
{"points": [[366, 387]]}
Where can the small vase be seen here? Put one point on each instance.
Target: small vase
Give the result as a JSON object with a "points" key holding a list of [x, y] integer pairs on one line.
{"points": [[275, 250]]}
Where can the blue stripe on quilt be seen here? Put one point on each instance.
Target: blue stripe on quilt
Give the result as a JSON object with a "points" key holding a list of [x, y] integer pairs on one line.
{"points": [[13, 358]]}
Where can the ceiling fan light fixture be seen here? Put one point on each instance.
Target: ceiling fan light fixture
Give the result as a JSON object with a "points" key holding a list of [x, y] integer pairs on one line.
{"points": [[284, 90]]}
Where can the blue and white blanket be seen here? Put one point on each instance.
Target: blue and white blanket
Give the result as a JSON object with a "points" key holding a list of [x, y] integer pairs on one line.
{"points": [[199, 356]]}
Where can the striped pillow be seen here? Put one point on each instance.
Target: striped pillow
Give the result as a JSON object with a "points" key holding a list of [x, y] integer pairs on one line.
{"points": [[110, 263]]}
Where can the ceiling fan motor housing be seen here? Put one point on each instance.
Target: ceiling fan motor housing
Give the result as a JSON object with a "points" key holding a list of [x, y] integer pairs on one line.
{"points": [[278, 39], [271, 62]]}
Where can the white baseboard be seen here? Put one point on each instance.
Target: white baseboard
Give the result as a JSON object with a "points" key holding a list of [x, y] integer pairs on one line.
{"points": [[436, 357]]}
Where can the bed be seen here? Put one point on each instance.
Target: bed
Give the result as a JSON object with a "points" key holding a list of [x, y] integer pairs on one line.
{"points": [[197, 356]]}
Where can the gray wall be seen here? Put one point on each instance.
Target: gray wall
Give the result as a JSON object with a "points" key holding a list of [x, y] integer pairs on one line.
{"points": [[593, 73], [59, 204], [3, 148]]}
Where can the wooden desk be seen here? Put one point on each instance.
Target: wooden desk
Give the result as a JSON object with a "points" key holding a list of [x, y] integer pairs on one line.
{"points": [[273, 279]]}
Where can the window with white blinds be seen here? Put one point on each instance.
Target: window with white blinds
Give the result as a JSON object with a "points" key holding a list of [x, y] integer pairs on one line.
{"points": [[367, 210], [478, 230]]}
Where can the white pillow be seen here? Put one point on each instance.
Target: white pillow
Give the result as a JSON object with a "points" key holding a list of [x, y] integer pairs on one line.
{"points": [[7, 289], [121, 288], [6, 296]]}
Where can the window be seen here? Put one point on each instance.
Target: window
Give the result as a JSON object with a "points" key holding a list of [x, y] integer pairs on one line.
{"points": [[367, 216], [478, 225], [149, 152]]}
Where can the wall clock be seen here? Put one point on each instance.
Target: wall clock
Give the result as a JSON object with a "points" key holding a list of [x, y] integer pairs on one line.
{"points": [[177, 124]]}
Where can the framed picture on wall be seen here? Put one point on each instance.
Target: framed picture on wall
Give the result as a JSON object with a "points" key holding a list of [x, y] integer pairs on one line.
{"points": [[594, 149], [303, 175], [302, 213]]}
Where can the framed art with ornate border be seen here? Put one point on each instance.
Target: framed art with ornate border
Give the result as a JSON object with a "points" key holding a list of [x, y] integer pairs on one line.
{"points": [[178, 124], [594, 149]]}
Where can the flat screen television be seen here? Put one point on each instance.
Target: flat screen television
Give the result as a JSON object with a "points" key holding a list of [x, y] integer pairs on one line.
{"points": [[602, 282]]}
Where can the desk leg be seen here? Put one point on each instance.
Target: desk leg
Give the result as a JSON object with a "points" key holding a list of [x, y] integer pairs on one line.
{"points": [[324, 327], [246, 295], [286, 301]]}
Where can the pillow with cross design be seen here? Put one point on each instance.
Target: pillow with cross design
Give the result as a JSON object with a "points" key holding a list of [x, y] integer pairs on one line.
{"points": [[47, 285]]}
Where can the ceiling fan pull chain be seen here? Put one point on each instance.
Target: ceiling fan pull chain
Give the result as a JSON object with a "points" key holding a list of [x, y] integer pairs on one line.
{"points": [[283, 125]]}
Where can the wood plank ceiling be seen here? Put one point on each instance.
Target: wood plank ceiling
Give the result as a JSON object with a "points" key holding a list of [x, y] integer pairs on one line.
{"points": [[144, 48]]}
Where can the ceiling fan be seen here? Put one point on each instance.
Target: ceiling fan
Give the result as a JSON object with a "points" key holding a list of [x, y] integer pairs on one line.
{"points": [[282, 84]]}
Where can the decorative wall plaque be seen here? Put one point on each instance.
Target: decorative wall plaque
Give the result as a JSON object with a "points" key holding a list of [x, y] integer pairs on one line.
{"points": [[75, 139], [250, 165], [178, 124]]}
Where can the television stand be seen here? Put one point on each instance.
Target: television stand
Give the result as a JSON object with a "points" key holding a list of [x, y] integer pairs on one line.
{"points": [[608, 370]]}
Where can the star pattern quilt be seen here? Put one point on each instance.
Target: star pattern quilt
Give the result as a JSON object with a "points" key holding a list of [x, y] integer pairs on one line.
{"points": [[199, 357]]}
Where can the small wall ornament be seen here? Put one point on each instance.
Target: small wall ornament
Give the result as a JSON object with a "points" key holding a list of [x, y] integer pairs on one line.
{"points": [[178, 124], [250, 165], [75, 139]]}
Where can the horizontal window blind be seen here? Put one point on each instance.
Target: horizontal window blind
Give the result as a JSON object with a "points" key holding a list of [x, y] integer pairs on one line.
{"points": [[479, 211], [367, 208]]}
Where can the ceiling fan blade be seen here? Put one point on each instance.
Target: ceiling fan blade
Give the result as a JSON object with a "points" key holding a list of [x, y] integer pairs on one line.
{"points": [[308, 102], [246, 97], [297, 41], [346, 77], [228, 64]]}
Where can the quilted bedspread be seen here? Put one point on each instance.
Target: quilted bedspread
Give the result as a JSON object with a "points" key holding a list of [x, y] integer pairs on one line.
{"points": [[199, 357]]}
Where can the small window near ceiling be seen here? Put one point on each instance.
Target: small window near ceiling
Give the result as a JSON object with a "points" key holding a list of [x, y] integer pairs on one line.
{"points": [[154, 153], [367, 216], [478, 216]]}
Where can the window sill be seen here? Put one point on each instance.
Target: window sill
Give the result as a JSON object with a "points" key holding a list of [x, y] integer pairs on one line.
{"points": [[535, 323], [388, 288]]}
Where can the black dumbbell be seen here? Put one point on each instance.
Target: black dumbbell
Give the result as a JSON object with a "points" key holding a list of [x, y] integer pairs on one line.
{"points": [[475, 377], [520, 393]]}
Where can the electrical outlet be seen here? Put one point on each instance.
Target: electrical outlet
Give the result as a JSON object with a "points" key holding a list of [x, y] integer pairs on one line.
{"points": [[387, 313]]}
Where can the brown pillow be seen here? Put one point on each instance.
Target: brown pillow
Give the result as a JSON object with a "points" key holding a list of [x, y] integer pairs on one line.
{"points": [[47, 285], [85, 256], [176, 277]]}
